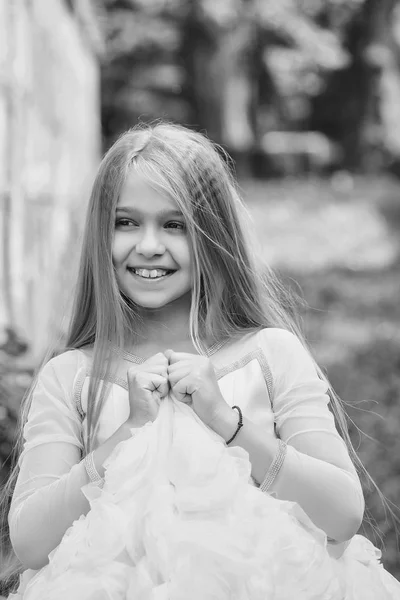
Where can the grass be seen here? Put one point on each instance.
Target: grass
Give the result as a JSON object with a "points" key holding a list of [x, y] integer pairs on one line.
{"points": [[338, 245]]}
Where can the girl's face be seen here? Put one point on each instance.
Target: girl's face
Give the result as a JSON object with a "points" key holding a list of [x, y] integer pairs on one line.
{"points": [[151, 250]]}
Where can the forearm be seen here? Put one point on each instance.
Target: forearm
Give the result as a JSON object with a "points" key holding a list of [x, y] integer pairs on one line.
{"points": [[39, 522], [330, 496]]}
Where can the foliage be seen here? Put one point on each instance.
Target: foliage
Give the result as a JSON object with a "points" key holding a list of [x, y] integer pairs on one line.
{"points": [[239, 69], [14, 380], [147, 69], [8, 422], [314, 236], [142, 73], [369, 381]]}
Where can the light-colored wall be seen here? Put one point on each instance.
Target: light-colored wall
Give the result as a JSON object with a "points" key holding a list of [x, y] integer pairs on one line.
{"points": [[49, 150]]}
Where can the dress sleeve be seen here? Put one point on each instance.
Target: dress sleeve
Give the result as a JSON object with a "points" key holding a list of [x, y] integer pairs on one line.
{"points": [[318, 472], [47, 497]]}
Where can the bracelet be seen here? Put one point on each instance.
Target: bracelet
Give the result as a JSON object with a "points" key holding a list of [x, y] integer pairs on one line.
{"points": [[275, 467], [92, 471], [239, 425]]}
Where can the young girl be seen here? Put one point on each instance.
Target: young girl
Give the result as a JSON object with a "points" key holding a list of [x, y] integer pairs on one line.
{"points": [[183, 445]]}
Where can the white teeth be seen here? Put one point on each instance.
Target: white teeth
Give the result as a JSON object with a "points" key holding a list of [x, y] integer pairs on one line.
{"points": [[153, 274]]}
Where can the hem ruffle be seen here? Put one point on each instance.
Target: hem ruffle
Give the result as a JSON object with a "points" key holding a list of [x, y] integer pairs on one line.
{"points": [[179, 517]]}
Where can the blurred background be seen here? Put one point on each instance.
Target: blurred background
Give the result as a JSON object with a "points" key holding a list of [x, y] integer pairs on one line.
{"points": [[303, 94]]}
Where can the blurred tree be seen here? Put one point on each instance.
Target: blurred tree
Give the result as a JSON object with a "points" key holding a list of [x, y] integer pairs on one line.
{"points": [[225, 73], [359, 106], [239, 69], [13, 381], [143, 73], [219, 66]]}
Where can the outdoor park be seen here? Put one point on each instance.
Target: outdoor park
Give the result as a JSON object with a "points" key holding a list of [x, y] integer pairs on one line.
{"points": [[305, 97]]}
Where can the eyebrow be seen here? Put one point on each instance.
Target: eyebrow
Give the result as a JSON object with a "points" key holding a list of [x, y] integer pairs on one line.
{"points": [[161, 214]]}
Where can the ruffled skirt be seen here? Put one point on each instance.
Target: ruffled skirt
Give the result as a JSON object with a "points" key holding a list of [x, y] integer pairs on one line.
{"points": [[179, 518]]}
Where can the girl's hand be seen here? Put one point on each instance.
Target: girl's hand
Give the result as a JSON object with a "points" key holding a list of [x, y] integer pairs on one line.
{"points": [[148, 384], [192, 379]]}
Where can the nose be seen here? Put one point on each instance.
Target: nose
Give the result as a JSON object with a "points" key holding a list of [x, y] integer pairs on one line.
{"points": [[149, 243]]}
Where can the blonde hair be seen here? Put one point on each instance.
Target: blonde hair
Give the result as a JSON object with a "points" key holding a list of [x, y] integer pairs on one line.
{"points": [[230, 295]]}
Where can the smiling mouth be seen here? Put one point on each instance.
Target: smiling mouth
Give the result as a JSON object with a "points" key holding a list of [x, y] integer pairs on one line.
{"points": [[150, 274]]}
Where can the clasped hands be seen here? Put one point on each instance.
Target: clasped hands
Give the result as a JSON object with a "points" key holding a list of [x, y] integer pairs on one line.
{"points": [[190, 377]]}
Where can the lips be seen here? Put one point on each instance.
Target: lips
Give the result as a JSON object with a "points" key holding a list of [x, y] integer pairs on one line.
{"points": [[153, 274], [150, 268]]}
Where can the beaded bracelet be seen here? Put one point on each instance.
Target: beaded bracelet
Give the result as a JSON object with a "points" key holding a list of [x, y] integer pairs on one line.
{"points": [[239, 425], [92, 471], [275, 467]]}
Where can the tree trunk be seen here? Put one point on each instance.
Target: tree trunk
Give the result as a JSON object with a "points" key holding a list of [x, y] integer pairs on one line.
{"points": [[354, 108], [222, 85]]}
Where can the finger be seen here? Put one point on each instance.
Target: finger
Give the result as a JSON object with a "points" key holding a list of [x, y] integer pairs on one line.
{"points": [[174, 357], [155, 369], [178, 374], [183, 386], [157, 383], [181, 393], [185, 399], [164, 388], [182, 389], [157, 359], [181, 365], [156, 356]]}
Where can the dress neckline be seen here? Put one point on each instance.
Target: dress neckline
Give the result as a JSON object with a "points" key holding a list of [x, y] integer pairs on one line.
{"points": [[131, 357]]}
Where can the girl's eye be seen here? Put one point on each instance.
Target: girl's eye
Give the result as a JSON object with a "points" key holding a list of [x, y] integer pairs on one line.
{"points": [[124, 223], [175, 225]]}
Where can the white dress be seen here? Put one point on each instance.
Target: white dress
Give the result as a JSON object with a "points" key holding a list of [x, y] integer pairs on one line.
{"points": [[189, 520]]}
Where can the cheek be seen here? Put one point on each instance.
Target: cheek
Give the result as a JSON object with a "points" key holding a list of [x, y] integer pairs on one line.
{"points": [[187, 254], [188, 260], [119, 250]]}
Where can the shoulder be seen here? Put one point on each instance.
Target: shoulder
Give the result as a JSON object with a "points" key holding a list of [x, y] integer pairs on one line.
{"points": [[284, 351], [287, 355], [268, 339], [275, 344], [272, 339], [65, 360], [64, 368]]}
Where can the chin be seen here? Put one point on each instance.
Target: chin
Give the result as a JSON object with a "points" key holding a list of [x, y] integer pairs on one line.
{"points": [[159, 303], [147, 303]]}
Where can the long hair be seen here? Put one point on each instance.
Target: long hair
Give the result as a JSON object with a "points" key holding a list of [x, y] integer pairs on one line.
{"points": [[231, 295]]}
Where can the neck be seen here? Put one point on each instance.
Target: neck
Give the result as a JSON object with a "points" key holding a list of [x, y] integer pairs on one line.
{"points": [[165, 325]]}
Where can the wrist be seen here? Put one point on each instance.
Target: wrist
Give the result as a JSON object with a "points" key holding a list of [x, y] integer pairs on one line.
{"points": [[135, 422], [225, 422]]}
